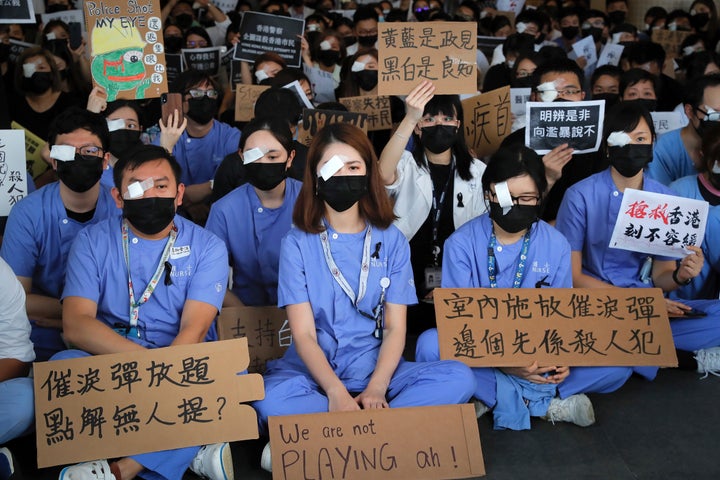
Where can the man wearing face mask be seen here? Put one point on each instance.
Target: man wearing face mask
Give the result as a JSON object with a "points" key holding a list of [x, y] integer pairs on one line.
{"points": [[617, 11], [569, 27], [163, 281], [595, 23], [677, 153], [202, 146], [650, 56], [366, 29], [41, 227]]}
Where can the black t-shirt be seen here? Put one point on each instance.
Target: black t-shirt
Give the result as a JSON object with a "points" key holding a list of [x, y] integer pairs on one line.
{"points": [[39, 122]]}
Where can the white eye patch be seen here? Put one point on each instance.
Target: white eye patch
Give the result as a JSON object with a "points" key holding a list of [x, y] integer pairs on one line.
{"points": [[29, 69], [325, 45], [618, 139], [503, 195], [331, 167], [358, 67], [137, 189], [260, 75], [547, 91], [252, 155], [64, 153], [117, 124]]}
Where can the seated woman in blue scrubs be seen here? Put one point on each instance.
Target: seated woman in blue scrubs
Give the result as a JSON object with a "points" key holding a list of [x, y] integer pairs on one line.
{"points": [[253, 218], [511, 230], [346, 281], [587, 217]]}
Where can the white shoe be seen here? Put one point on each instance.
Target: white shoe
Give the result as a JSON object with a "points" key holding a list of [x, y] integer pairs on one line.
{"points": [[97, 470], [480, 408], [576, 409], [266, 459], [7, 465], [708, 361], [214, 462]]}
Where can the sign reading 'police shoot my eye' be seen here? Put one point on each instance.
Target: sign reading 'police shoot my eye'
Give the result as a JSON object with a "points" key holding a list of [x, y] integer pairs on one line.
{"points": [[550, 124], [443, 52], [262, 32], [507, 327]]}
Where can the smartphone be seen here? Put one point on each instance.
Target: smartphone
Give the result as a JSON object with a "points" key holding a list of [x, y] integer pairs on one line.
{"points": [[75, 35], [169, 102]]}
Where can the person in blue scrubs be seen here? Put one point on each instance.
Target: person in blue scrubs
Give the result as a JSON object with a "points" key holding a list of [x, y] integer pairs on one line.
{"points": [[346, 281], [42, 226], [514, 180], [587, 217], [253, 218], [163, 282]]}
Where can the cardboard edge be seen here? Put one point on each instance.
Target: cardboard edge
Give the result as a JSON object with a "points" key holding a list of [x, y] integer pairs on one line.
{"points": [[472, 437], [251, 387]]}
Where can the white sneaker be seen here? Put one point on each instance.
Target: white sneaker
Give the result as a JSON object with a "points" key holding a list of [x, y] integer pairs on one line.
{"points": [[708, 361], [7, 465], [266, 459], [97, 470], [576, 409], [480, 408], [214, 462]]}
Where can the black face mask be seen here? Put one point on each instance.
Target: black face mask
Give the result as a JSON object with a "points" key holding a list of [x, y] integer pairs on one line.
{"points": [[648, 104], [517, 219], [367, 40], [569, 33], [422, 15], [610, 98], [595, 32], [328, 57], [202, 110], [524, 82], [184, 21], [123, 140], [173, 44], [342, 192], [149, 215], [439, 138], [617, 17], [4, 52], [265, 176], [699, 20], [350, 40], [56, 8], [40, 82], [704, 126], [630, 159], [366, 79], [81, 174]]}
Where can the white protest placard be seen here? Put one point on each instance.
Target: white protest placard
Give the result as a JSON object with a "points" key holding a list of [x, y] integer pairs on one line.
{"points": [[518, 98], [322, 83], [550, 124], [225, 6], [67, 16], [586, 48], [13, 176], [514, 6], [659, 224], [263, 32], [610, 54], [666, 121]]}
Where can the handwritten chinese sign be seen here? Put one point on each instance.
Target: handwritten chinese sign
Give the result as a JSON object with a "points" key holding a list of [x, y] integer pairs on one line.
{"points": [[109, 406], [443, 52], [395, 443], [659, 224], [33, 151], [13, 176], [245, 98], [579, 124], [670, 40], [377, 110], [504, 327], [487, 120], [265, 328], [313, 120], [666, 122], [262, 32]]}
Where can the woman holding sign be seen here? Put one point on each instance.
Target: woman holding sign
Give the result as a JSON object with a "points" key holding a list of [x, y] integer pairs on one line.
{"points": [[587, 217], [344, 280]]}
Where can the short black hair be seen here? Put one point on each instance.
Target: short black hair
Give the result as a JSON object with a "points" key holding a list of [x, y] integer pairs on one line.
{"points": [[275, 125], [696, 63], [141, 155], [635, 76], [518, 43], [76, 118], [592, 13], [563, 65], [695, 90], [513, 161], [279, 102], [365, 12], [640, 53], [122, 103], [610, 70]]}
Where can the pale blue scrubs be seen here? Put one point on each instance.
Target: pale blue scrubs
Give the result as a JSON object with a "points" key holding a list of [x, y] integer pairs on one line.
{"points": [[252, 234], [36, 244], [97, 271], [587, 217], [671, 159], [548, 266], [346, 336]]}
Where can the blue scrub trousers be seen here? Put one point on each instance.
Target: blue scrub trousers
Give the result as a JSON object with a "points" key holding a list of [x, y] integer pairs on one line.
{"points": [[696, 333], [17, 408]]}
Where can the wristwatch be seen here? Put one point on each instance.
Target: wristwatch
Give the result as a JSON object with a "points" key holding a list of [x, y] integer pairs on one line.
{"points": [[677, 280]]}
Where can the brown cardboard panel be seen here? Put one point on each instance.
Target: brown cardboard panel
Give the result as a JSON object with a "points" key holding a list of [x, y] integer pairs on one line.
{"points": [[487, 121], [498, 327], [670, 41], [108, 406], [265, 328], [245, 98], [313, 120], [377, 109], [443, 52], [396, 443]]}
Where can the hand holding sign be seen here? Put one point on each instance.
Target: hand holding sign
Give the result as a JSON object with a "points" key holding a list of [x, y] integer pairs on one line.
{"points": [[554, 162], [690, 266], [417, 99]]}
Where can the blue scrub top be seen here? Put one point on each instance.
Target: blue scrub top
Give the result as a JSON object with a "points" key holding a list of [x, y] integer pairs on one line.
{"points": [[465, 261], [97, 271], [344, 335], [252, 234], [671, 160]]}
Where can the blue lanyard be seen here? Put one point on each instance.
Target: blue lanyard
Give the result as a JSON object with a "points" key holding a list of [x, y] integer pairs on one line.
{"points": [[520, 272]]}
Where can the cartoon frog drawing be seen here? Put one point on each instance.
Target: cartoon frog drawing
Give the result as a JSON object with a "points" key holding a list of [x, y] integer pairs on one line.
{"points": [[118, 60]]}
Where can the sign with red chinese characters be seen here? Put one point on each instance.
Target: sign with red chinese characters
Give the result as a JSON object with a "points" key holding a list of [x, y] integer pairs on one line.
{"points": [[659, 224]]}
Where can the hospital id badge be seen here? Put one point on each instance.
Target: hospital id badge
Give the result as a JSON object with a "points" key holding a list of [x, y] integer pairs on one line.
{"points": [[433, 277]]}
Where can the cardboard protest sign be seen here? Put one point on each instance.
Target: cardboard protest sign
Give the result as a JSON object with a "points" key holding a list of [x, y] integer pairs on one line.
{"points": [[265, 328], [579, 124], [610, 54], [314, 119], [659, 224], [17, 11], [128, 54], [245, 97], [13, 175], [392, 443], [206, 60], [670, 40], [34, 162], [109, 406], [506, 327], [443, 52], [377, 110], [666, 122], [67, 16], [263, 32], [487, 121], [16, 49]]}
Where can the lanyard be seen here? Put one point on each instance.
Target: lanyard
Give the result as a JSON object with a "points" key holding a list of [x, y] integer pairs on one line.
{"points": [[135, 306], [439, 202], [521, 262]]}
